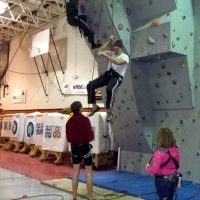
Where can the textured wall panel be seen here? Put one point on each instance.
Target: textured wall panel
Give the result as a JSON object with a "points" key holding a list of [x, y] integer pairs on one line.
{"points": [[142, 11], [169, 83], [151, 41], [120, 21]]}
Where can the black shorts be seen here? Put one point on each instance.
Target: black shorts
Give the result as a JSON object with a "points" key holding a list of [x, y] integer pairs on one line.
{"points": [[81, 152]]}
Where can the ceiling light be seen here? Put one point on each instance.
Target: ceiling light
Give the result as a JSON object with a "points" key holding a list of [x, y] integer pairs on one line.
{"points": [[3, 6]]}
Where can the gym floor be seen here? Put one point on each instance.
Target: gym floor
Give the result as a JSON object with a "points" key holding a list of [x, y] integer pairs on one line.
{"points": [[16, 186], [20, 176]]}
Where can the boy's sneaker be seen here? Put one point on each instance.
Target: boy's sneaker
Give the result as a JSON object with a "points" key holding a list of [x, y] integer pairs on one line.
{"points": [[109, 116], [94, 109]]}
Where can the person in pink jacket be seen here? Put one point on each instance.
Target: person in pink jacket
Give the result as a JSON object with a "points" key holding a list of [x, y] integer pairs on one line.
{"points": [[164, 164]]}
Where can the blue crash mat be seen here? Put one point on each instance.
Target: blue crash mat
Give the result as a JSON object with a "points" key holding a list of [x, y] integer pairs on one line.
{"points": [[139, 185]]}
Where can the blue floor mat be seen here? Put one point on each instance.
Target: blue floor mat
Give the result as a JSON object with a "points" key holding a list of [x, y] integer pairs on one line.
{"points": [[124, 182], [139, 185]]}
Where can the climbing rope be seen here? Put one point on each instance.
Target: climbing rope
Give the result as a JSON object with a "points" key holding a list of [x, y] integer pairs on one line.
{"points": [[95, 53]]}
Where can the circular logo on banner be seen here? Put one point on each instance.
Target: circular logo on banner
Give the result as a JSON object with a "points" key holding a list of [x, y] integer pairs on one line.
{"points": [[30, 129], [14, 128]]}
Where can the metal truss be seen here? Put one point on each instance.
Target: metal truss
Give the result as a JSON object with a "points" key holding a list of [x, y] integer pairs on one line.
{"points": [[22, 15]]}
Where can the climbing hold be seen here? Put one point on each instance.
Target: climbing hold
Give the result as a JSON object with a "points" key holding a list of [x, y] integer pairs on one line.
{"points": [[120, 27], [141, 49], [181, 121], [158, 102], [188, 172], [184, 17], [169, 73], [141, 155], [128, 11], [151, 40], [150, 2], [164, 35], [126, 125], [183, 65], [137, 121], [155, 23], [174, 82], [163, 66], [157, 85], [180, 95]]}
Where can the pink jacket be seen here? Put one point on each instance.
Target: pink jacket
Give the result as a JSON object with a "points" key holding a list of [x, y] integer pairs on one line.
{"points": [[159, 157]]}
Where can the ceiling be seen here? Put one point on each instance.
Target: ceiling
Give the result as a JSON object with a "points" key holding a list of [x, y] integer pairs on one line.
{"points": [[23, 15]]}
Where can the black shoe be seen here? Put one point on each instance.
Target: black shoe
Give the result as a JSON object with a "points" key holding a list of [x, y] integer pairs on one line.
{"points": [[109, 116], [95, 46], [94, 109]]}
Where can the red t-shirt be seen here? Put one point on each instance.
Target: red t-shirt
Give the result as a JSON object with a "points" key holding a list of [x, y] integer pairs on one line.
{"points": [[79, 130]]}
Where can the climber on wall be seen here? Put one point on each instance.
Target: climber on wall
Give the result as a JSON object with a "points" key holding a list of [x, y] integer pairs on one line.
{"points": [[112, 78], [75, 18]]}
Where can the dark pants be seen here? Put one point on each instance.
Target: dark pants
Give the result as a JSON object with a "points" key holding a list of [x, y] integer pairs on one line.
{"points": [[110, 78], [165, 188], [81, 22]]}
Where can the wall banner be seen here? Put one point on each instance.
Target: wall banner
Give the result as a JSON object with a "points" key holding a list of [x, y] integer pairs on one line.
{"points": [[75, 87]]}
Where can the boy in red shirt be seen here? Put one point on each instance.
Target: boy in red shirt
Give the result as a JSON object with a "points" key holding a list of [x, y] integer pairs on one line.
{"points": [[79, 133]]}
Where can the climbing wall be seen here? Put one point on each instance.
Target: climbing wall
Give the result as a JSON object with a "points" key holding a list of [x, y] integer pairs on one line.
{"points": [[161, 86], [141, 12]]}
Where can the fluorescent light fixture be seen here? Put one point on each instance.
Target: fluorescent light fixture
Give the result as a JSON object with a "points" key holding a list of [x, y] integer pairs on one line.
{"points": [[3, 6]]}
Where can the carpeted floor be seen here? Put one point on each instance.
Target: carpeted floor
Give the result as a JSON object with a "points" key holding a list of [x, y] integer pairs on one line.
{"points": [[32, 167]]}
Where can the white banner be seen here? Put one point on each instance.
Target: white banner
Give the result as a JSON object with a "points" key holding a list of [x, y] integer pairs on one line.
{"points": [[75, 87]]}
